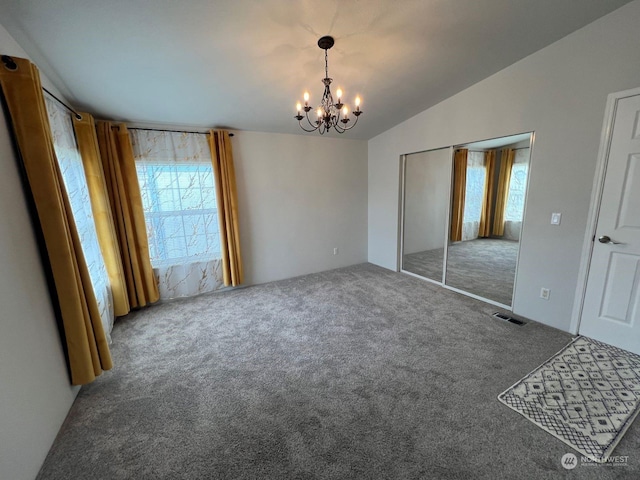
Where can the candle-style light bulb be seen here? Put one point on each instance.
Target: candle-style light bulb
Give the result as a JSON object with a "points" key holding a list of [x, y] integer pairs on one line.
{"points": [[319, 112], [298, 107], [306, 98], [345, 112], [339, 94], [357, 103]]}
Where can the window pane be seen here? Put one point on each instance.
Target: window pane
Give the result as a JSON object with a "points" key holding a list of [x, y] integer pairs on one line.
{"points": [[208, 196], [178, 194], [474, 195], [166, 199], [517, 187], [191, 199], [75, 184]]}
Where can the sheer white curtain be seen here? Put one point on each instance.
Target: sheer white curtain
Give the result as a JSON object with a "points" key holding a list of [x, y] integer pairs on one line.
{"points": [[474, 195], [75, 183], [517, 191], [179, 202]]}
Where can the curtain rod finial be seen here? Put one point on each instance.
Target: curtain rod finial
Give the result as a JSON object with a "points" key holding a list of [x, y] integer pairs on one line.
{"points": [[9, 62]]}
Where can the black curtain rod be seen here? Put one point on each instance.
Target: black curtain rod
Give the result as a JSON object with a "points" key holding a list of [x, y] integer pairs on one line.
{"points": [[78, 116], [174, 131]]}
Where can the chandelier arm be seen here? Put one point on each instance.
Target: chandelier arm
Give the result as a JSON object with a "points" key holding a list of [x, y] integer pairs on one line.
{"points": [[344, 129], [340, 129], [336, 123], [311, 124], [312, 130]]}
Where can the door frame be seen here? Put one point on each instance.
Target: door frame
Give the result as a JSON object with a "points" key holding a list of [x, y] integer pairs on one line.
{"points": [[594, 205]]}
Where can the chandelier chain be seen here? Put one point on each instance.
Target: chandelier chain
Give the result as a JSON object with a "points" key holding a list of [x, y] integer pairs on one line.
{"points": [[326, 64]]}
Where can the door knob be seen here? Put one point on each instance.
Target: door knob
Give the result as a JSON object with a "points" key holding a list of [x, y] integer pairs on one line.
{"points": [[606, 239]]}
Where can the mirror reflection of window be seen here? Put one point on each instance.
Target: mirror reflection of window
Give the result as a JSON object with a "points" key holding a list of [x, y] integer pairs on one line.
{"points": [[474, 195], [514, 210], [517, 186]]}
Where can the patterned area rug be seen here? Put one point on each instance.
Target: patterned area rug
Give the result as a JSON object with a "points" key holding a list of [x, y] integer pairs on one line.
{"points": [[587, 395]]}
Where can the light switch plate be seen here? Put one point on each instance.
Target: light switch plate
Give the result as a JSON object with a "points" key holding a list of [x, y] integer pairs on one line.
{"points": [[555, 218]]}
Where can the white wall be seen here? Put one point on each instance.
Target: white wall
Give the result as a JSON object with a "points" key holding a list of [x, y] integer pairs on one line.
{"points": [[560, 93], [35, 394], [300, 196]]}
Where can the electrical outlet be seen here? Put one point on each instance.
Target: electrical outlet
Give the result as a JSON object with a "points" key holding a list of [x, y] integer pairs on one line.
{"points": [[335, 251], [544, 293]]}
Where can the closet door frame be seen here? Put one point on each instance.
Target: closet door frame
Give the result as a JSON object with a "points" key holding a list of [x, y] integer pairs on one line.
{"points": [[403, 172]]}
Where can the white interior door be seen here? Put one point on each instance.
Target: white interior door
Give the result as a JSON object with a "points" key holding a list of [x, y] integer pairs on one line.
{"points": [[611, 308]]}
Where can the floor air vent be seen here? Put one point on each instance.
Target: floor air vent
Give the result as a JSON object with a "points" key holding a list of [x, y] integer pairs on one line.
{"points": [[507, 318]]}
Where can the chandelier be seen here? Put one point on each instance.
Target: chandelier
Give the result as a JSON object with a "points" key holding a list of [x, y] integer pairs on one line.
{"points": [[330, 114]]}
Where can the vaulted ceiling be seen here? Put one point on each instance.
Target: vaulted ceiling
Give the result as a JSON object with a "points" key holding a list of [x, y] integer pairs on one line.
{"points": [[243, 64]]}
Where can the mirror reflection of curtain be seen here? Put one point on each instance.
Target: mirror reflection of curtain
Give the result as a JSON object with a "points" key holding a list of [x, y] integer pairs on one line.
{"points": [[475, 188], [458, 193], [506, 164], [514, 209], [486, 217]]}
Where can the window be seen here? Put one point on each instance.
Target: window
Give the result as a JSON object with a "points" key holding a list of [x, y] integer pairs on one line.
{"points": [[75, 184], [178, 196], [517, 186], [474, 190]]}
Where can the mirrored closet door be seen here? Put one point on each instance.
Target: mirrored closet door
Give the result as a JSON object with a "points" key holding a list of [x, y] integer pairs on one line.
{"points": [[476, 195], [426, 179]]}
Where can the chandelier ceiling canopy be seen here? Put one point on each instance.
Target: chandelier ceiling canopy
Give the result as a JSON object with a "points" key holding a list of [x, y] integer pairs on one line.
{"points": [[330, 114]]}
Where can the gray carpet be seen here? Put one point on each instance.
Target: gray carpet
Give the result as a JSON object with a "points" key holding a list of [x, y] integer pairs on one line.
{"points": [[353, 373], [428, 263], [485, 267]]}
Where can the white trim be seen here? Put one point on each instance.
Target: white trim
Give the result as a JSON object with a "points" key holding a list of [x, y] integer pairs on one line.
{"points": [[478, 297], [430, 280], [532, 138], [594, 205], [403, 166], [401, 203], [447, 228]]}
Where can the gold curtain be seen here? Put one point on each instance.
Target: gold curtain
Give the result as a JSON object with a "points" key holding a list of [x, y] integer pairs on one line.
{"points": [[87, 348], [85, 129], [487, 205], [227, 197], [123, 189], [506, 163], [459, 187]]}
